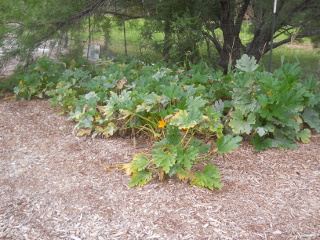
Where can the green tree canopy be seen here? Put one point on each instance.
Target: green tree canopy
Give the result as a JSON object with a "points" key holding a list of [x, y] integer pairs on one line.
{"points": [[26, 24]]}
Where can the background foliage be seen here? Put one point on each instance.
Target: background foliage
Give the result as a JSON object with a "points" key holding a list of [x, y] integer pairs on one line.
{"points": [[184, 26]]}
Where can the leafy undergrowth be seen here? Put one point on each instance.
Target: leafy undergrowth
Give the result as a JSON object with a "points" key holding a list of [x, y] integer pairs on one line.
{"points": [[174, 105]]}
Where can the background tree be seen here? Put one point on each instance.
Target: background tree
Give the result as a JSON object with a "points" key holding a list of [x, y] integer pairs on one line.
{"points": [[24, 25], [295, 19]]}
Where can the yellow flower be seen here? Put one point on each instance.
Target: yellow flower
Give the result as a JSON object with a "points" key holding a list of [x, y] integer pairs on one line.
{"points": [[20, 82], [263, 107], [162, 124], [269, 92], [168, 153], [149, 117], [97, 117]]}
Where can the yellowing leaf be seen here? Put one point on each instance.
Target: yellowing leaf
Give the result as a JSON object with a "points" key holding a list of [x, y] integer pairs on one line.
{"points": [[182, 120], [184, 175], [140, 178], [210, 178], [121, 83], [304, 135], [139, 162], [126, 167], [107, 131], [106, 110], [83, 132], [125, 113], [161, 174]]}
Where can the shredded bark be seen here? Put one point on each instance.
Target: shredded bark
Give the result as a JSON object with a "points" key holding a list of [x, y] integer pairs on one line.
{"points": [[55, 185]]}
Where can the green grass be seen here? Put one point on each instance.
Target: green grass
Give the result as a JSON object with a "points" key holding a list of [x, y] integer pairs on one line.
{"points": [[305, 55], [134, 45]]}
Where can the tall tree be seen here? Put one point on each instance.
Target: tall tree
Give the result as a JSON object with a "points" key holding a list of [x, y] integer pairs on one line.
{"points": [[294, 19], [26, 24], [184, 23]]}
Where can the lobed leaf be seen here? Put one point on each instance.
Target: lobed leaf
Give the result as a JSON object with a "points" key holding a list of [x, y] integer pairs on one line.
{"points": [[139, 162], [304, 135], [241, 125], [246, 63], [210, 178], [228, 143], [164, 159], [140, 178]]}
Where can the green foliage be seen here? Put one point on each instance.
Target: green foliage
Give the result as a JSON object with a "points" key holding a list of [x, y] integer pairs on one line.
{"points": [[209, 178], [176, 154], [173, 106], [41, 76], [246, 64], [227, 143], [272, 107]]}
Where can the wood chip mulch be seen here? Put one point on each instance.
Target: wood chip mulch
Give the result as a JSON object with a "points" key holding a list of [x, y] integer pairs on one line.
{"points": [[54, 185]]}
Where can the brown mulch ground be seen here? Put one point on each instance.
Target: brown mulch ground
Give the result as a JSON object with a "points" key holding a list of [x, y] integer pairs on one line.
{"points": [[54, 185]]}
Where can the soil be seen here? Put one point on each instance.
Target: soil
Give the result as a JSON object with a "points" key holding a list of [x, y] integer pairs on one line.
{"points": [[55, 185]]}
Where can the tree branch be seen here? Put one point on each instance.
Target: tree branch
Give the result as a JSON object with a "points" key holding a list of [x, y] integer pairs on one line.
{"points": [[123, 15], [214, 40]]}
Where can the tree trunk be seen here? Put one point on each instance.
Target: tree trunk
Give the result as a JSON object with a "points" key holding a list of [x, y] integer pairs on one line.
{"points": [[230, 25], [260, 43]]}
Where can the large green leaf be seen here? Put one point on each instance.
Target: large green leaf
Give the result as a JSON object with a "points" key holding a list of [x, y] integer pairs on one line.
{"points": [[241, 125], [242, 99], [139, 163], [228, 143], [187, 157], [284, 139], [247, 64], [149, 100], [201, 148], [140, 178], [210, 178], [182, 119], [171, 91], [164, 159], [196, 102], [173, 136], [312, 118], [304, 135], [92, 99], [261, 143]]}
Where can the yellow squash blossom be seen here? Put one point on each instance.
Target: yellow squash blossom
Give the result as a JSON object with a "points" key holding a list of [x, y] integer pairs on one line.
{"points": [[162, 124]]}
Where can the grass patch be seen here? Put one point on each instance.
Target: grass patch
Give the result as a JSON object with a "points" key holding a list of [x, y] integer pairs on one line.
{"points": [[305, 55]]}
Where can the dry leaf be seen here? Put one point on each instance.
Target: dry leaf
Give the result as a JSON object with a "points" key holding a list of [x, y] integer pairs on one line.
{"points": [[121, 83], [83, 132]]}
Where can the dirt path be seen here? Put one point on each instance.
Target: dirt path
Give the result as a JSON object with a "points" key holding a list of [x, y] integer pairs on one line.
{"points": [[53, 185]]}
